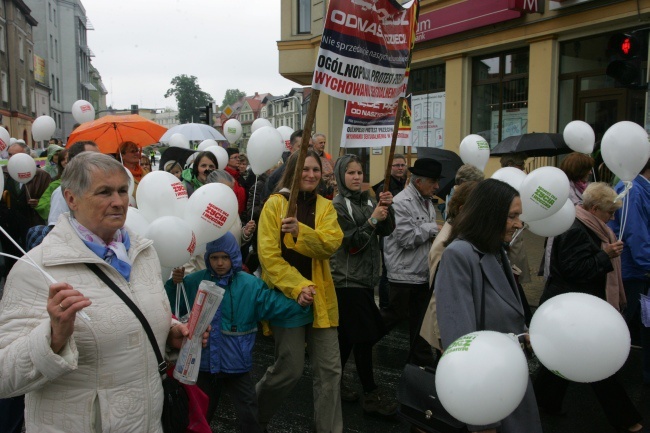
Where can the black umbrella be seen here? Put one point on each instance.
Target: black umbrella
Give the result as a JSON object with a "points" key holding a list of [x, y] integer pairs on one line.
{"points": [[533, 144], [450, 162], [177, 154]]}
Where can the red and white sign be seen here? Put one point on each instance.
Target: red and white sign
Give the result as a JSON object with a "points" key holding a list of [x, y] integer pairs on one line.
{"points": [[214, 215]]}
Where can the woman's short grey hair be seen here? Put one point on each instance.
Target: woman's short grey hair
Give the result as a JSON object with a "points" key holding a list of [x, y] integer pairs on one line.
{"points": [[600, 195], [220, 176], [78, 174], [468, 172]]}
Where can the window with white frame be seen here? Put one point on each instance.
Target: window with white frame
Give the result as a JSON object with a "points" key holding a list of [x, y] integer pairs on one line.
{"points": [[30, 59], [51, 47], [5, 87]]}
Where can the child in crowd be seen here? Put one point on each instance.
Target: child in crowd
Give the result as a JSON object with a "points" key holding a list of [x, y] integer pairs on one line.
{"points": [[227, 360], [174, 168]]}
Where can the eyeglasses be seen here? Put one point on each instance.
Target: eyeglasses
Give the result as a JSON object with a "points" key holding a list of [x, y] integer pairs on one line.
{"points": [[399, 165]]}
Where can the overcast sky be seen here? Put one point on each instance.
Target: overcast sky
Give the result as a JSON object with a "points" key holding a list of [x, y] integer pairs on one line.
{"points": [[141, 45]]}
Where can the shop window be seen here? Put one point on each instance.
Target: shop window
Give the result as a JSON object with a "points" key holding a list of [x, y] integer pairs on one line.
{"points": [[304, 16], [427, 89], [500, 96]]}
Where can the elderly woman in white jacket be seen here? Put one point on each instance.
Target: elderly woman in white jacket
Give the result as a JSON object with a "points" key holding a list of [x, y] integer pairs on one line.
{"points": [[75, 350]]}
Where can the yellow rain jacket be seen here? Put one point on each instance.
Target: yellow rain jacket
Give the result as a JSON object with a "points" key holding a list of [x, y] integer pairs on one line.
{"points": [[319, 244]]}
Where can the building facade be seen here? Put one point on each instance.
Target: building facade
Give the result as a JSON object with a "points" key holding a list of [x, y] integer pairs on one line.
{"points": [[17, 85], [497, 67]]}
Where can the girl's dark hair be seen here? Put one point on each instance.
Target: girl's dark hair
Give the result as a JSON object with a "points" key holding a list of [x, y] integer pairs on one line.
{"points": [[458, 200], [290, 169], [199, 157], [60, 167], [482, 221]]}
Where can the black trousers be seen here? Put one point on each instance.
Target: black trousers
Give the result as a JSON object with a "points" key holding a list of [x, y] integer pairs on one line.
{"points": [[241, 389], [619, 409], [410, 301]]}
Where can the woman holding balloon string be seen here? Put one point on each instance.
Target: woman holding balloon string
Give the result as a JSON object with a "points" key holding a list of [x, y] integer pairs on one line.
{"points": [[586, 258], [196, 177], [474, 272], [294, 252]]}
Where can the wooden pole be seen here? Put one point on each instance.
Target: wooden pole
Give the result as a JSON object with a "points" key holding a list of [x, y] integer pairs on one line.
{"points": [[306, 133], [393, 143]]}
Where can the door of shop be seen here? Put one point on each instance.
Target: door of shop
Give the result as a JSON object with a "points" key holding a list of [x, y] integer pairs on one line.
{"points": [[602, 108]]}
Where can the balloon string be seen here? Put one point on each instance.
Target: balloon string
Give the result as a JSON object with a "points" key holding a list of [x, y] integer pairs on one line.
{"points": [[254, 192], [30, 262], [593, 174], [517, 233], [624, 212]]}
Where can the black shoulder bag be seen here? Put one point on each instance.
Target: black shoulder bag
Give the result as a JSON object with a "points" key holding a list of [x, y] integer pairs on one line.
{"points": [[175, 414], [417, 396]]}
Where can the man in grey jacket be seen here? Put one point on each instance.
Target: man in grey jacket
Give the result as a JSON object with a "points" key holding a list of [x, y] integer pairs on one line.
{"points": [[406, 251]]}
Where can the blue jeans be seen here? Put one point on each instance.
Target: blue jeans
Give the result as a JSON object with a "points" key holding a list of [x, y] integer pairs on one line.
{"points": [[633, 291]]}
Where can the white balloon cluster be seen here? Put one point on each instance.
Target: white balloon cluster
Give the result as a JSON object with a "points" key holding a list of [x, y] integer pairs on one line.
{"points": [[178, 224]]}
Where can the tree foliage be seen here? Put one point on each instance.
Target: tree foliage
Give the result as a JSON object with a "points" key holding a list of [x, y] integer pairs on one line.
{"points": [[189, 97], [232, 96]]}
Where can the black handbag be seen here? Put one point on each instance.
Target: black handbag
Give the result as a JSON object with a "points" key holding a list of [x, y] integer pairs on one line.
{"points": [[417, 396], [176, 411]]}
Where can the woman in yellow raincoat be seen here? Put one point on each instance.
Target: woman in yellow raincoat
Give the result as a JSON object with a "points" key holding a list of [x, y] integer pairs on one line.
{"points": [[294, 253]]}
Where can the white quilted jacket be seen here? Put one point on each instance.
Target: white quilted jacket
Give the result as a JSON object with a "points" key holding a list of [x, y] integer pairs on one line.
{"points": [[105, 379]]}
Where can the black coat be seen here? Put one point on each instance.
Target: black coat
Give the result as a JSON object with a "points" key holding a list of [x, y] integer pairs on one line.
{"points": [[578, 264]]}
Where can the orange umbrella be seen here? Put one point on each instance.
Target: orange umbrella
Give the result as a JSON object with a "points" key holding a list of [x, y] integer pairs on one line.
{"points": [[110, 131]]}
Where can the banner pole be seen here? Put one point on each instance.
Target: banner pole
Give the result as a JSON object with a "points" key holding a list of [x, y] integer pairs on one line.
{"points": [[393, 143], [306, 134]]}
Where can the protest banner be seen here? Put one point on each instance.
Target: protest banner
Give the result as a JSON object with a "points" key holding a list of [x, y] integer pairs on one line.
{"points": [[371, 125]]}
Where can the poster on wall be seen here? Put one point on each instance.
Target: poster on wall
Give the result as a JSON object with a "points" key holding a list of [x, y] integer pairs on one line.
{"points": [[515, 122], [428, 120]]}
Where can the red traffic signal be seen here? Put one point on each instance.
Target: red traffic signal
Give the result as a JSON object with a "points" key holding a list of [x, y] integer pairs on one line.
{"points": [[624, 45]]}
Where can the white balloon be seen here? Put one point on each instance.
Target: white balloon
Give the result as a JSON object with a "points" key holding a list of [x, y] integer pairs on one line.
{"points": [[136, 222], [580, 337], [475, 150], [221, 154], [5, 139], [285, 132], [173, 240], [179, 140], [232, 130], [482, 377], [510, 175], [260, 122], [207, 143], [625, 149], [555, 224], [264, 149], [83, 111], [160, 193], [543, 192], [210, 211], [21, 167], [579, 136], [43, 128]]}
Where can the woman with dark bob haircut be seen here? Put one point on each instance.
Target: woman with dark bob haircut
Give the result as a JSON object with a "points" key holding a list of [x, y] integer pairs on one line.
{"points": [[577, 167], [474, 269], [196, 177]]}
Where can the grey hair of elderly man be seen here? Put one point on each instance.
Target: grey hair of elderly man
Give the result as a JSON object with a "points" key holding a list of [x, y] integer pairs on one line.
{"points": [[78, 174]]}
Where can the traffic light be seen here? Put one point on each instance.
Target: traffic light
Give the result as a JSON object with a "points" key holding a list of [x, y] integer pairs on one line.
{"points": [[206, 114], [626, 52]]}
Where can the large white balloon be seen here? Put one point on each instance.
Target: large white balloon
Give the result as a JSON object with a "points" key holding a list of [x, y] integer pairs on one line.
{"points": [[207, 143], [579, 136], [173, 240], [555, 224], [482, 377], [5, 139], [510, 175], [264, 149], [83, 111], [285, 132], [625, 149], [160, 193], [580, 337], [21, 167], [179, 140], [221, 154], [475, 150], [232, 130], [43, 128], [259, 123], [136, 222], [210, 211], [543, 192]]}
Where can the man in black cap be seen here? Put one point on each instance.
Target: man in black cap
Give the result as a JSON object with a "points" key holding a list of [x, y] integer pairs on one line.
{"points": [[406, 252]]}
